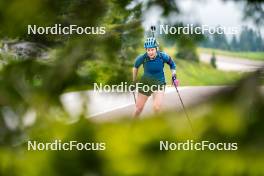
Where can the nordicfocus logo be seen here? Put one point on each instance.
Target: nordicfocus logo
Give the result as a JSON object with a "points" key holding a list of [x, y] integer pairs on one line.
{"points": [[58, 29], [59, 145], [125, 87], [190, 29], [203, 145]]}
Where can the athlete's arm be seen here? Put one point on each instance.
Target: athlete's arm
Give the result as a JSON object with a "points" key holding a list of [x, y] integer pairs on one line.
{"points": [[173, 71], [170, 62], [135, 73], [139, 60]]}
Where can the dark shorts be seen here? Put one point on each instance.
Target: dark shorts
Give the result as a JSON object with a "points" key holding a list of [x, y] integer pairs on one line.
{"points": [[148, 86]]}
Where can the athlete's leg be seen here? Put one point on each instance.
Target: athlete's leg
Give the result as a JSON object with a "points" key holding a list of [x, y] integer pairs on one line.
{"points": [[157, 100], [140, 103]]}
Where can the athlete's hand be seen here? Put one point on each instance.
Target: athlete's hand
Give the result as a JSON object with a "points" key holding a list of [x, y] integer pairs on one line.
{"points": [[133, 86], [175, 81]]}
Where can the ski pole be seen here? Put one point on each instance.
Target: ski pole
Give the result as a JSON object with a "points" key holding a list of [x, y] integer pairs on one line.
{"points": [[175, 85], [134, 97], [153, 29]]}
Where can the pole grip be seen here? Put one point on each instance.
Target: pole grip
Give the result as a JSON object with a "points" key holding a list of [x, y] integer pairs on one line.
{"points": [[153, 29]]}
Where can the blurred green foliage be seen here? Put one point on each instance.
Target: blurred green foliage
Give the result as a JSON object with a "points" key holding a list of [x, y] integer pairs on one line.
{"points": [[36, 83], [33, 86], [132, 147]]}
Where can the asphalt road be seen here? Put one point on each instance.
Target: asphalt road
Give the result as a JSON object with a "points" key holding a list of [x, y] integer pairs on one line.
{"points": [[111, 106], [227, 63]]}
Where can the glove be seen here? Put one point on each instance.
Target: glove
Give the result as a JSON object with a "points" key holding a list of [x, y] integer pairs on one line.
{"points": [[133, 86], [175, 81]]}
